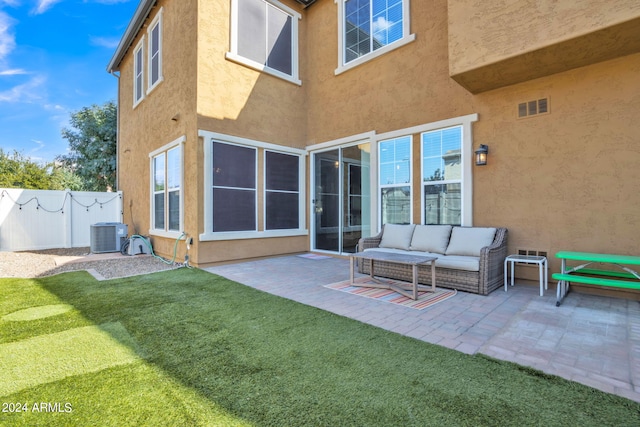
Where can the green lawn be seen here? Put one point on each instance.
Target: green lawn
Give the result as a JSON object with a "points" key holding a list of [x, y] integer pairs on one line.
{"points": [[188, 348]]}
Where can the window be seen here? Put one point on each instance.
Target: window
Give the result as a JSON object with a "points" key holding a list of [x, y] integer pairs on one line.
{"points": [[166, 165], [369, 28], [138, 73], [265, 37], [239, 202], [282, 193], [155, 52], [442, 176], [234, 187], [395, 180]]}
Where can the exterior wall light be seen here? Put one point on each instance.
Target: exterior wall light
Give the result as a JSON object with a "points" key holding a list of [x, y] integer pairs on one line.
{"points": [[481, 155]]}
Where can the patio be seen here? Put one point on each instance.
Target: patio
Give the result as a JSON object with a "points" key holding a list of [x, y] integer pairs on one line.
{"points": [[589, 339]]}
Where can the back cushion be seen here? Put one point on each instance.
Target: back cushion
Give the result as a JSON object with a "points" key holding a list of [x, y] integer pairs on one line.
{"points": [[469, 240], [397, 236], [431, 238]]}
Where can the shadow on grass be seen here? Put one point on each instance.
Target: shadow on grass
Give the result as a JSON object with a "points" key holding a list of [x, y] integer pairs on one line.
{"points": [[219, 353]]}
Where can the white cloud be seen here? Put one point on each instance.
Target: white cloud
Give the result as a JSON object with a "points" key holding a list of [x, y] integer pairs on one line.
{"points": [[381, 24], [26, 92], [13, 72], [110, 43], [7, 38], [44, 5]]}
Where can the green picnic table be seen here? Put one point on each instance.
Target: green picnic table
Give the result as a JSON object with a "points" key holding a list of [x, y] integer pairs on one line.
{"points": [[624, 277]]}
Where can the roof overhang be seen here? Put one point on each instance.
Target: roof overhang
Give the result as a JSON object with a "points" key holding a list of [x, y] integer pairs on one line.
{"points": [[306, 3], [140, 15]]}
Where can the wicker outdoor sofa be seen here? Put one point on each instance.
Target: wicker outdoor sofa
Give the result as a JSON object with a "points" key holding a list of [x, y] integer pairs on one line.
{"points": [[470, 259]]}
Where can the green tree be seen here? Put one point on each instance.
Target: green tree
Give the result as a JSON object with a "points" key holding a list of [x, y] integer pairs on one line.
{"points": [[62, 178], [92, 146], [18, 171]]}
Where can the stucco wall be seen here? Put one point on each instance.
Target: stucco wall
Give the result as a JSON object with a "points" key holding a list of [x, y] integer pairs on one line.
{"points": [[403, 88], [149, 125], [236, 100], [560, 181], [566, 180], [501, 43]]}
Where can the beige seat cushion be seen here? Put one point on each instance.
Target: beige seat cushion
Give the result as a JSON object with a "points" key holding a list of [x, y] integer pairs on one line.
{"points": [[431, 238], [397, 236], [469, 240]]}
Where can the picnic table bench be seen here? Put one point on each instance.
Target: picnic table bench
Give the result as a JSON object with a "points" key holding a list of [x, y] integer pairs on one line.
{"points": [[624, 277]]}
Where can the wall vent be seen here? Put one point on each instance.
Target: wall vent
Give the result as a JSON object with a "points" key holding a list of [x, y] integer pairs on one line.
{"points": [[531, 252], [533, 108]]}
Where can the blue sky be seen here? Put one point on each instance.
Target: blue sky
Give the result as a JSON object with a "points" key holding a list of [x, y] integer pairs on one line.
{"points": [[53, 59]]}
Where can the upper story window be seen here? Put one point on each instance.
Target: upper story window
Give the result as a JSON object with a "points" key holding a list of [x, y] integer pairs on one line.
{"points": [[369, 28], [155, 52], [138, 73], [264, 36]]}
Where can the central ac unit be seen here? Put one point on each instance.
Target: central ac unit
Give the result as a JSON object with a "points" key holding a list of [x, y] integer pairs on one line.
{"points": [[107, 237]]}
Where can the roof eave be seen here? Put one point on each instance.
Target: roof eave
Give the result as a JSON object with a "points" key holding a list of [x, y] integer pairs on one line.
{"points": [[140, 15]]}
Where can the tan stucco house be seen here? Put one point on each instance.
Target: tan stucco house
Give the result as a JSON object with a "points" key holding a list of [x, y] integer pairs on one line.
{"points": [[266, 127]]}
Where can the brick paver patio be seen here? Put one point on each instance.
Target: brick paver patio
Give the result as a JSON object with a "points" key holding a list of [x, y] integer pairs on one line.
{"points": [[589, 339]]}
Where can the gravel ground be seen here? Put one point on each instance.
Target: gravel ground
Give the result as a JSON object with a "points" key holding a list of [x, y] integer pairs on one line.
{"points": [[53, 261]]}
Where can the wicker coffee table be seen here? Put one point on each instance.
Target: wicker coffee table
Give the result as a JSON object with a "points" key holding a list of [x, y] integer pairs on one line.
{"points": [[413, 260]]}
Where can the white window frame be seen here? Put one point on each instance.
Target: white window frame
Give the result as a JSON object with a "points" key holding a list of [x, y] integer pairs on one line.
{"points": [[233, 55], [177, 143], [208, 138], [395, 185], [138, 52], [467, 159], [407, 37], [156, 23], [424, 184]]}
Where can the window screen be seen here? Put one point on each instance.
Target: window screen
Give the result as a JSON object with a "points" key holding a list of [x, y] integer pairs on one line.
{"points": [[282, 191], [234, 188], [155, 55], [264, 35]]}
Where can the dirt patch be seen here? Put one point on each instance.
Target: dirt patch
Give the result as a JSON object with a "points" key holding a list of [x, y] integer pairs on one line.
{"points": [[48, 262]]}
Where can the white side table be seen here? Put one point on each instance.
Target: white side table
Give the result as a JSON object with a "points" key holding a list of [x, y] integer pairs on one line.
{"points": [[528, 259]]}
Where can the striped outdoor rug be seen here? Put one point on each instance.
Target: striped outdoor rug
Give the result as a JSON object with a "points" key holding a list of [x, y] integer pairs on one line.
{"points": [[425, 299]]}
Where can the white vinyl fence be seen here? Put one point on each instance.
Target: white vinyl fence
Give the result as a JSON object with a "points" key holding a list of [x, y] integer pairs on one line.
{"points": [[44, 219]]}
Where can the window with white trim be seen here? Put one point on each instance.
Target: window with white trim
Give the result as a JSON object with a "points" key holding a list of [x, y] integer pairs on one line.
{"points": [[282, 191], [234, 187], [394, 161], [155, 52], [442, 176], [138, 73], [239, 202], [265, 37], [166, 204], [369, 28]]}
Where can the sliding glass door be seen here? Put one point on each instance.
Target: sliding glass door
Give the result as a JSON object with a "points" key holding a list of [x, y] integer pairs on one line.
{"points": [[341, 204]]}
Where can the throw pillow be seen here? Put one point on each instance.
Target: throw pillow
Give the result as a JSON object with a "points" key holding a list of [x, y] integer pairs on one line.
{"points": [[431, 238], [470, 240], [397, 236]]}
